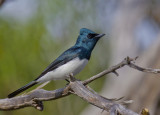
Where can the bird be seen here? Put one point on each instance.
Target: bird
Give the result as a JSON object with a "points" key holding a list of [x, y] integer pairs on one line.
{"points": [[71, 61]]}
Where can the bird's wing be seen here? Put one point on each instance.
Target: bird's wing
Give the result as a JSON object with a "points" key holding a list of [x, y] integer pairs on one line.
{"points": [[62, 59]]}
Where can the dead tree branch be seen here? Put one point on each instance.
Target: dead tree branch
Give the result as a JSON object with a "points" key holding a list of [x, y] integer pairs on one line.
{"points": [[78, 88], [127, 61]]}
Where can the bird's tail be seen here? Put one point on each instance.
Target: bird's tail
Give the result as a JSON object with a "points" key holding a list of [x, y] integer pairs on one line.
{"points": [[32, 83]]}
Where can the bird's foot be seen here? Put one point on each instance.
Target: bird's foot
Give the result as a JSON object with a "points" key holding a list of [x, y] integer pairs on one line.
{"points": [[67, 82], [71, 78]]}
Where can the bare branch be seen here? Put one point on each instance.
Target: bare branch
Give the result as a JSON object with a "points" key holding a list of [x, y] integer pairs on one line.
{"points": [[148, 70], [35, 98], [97, 100], [31, 99], [127, 61]]}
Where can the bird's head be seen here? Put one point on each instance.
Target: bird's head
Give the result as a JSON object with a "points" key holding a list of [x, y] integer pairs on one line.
{"points": [[88, 39]]}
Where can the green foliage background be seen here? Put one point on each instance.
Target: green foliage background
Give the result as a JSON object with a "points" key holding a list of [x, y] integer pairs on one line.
{"points": [[27, 48]]}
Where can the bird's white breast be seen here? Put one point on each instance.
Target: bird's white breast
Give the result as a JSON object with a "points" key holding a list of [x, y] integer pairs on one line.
{"points": [[74, 66]]}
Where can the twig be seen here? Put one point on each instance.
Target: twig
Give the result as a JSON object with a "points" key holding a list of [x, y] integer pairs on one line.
{"points": [[39, 87], [148, 70], [127, 61]]}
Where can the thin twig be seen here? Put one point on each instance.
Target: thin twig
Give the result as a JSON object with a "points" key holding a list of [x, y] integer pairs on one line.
{"points": [[127, 61], [148, 70]]}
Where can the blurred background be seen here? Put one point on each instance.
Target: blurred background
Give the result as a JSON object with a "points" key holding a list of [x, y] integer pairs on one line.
{"points": [[34, 32]]}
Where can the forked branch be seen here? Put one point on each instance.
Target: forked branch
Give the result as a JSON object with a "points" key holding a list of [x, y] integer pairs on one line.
{"points": [[78, 88]]}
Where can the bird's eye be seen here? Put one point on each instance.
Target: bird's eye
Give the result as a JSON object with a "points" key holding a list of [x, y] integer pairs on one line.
{"points": [[90, 36]]}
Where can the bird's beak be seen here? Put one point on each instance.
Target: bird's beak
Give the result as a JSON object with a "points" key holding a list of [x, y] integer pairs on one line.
{"points": [[99, 35]]}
